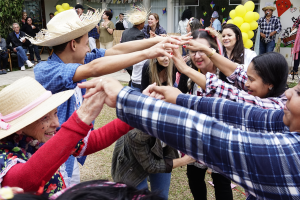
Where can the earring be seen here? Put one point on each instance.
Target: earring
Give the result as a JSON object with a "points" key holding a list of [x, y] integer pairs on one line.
{"points": [[270, 88]]}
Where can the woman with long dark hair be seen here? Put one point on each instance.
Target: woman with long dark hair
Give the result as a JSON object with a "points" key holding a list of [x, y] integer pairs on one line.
{"points": [[233, 47], [186, 15], [30, 29], [153, 28]]}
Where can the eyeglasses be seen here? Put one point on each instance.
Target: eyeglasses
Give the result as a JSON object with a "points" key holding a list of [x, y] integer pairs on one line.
{"points": [[200, 53]]}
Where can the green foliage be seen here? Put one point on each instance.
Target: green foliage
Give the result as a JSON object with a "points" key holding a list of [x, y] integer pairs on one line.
{"points": [[10, 12]]}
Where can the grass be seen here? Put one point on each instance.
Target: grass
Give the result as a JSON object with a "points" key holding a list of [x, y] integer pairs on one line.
{"points": [[97, 166]]}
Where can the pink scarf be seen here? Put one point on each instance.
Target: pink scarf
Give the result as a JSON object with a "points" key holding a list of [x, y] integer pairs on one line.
{"points": [[296, 48]]}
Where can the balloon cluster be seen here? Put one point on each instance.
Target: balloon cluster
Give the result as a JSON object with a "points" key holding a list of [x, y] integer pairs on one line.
{"points": [[63, 7], [244, 18]]}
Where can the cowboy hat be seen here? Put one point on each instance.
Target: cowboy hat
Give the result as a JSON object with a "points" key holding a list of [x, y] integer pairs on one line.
{"points": [[137, 15], [65, 27], [25, 101], [268, 6]]}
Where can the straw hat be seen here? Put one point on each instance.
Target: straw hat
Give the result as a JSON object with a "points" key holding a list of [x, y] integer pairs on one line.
{"points": [[64, 27], [20, 94], [269, 6], [137, 15]]}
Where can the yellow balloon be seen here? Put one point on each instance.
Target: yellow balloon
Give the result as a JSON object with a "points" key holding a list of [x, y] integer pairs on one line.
{"points": [[250, 34], [240, 11], [245, 27], [58, 7], [256, 16], [232, 14], [253, 25], [238, 21], [248, 44], [56, 13], [61, 10], [245, 36], [249, 17], [230, 21], [249, 5], [65, 6]]}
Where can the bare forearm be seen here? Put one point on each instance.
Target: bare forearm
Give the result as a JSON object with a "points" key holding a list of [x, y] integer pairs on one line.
{"points": [[181, 162], [197, 77], [225, 65], [132, 46]]}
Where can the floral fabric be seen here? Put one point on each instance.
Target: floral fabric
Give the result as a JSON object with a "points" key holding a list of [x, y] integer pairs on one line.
{"points": [[16, 149]]}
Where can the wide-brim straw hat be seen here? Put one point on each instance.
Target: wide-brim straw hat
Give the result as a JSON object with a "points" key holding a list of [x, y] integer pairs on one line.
{"points": [[20, 94], [137, 15], [268, 5], [66, 26]]}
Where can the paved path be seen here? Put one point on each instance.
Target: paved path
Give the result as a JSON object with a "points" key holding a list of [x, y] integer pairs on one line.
{"points": [[10, 77]]}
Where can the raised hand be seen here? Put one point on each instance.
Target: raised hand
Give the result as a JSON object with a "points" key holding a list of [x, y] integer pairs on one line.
{"points": [[179, 61], [169, 93]]}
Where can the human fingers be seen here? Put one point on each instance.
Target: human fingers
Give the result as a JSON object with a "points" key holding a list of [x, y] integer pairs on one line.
{"points": [[171, 40], [170, 93], [93, 86], [159, 96], [148, 89]]}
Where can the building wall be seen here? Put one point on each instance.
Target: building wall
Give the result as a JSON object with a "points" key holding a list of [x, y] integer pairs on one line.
{"points": [[286, 21]]}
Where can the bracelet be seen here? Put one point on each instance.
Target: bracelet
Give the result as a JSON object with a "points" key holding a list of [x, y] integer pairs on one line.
{"points": [[106, 27], [212, 53]]}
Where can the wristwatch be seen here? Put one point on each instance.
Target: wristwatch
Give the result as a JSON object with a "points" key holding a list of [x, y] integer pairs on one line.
{"points": [[213, 51]]}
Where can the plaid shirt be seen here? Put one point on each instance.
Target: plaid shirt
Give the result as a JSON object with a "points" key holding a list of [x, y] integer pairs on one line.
{"points": [[218, 88], [297, 22], [94, 33], [267, 28], [253, 148]]}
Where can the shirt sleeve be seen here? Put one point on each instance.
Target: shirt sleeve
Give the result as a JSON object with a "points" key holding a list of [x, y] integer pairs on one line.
{"points": [[256, 161], [95, 53], [278, 25], [239, 77], [125, 24], [111, 25]]}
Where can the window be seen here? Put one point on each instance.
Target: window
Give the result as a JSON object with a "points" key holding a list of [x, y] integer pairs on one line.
{"points": [[238, 2]]}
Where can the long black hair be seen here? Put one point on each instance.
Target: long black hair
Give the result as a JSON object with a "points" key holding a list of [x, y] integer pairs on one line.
{"points": [[238, 51], [273, 69], [186, 14]]}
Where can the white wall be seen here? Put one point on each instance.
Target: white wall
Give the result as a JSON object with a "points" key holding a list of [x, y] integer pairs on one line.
{"points": [[286, 21], [49, 8]]}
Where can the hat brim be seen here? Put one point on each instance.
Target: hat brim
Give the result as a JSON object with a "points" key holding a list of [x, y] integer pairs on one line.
{"points": [[269, 7], [63, 38], [42, 109]]}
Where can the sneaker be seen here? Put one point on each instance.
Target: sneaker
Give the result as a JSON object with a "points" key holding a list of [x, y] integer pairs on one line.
{"points": [[294, 72], [1, 72], [30, 64], [39, 61], [23, 68], [4, 71]]}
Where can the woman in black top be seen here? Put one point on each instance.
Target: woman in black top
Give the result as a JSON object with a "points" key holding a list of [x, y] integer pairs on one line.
{"points": [[159, 70], [31, 30]]}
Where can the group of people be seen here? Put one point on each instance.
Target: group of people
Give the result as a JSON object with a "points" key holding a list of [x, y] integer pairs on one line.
{"points": [[219, 106]]}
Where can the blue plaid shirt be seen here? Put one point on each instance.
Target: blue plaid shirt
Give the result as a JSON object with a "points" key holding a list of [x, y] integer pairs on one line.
{"points": [[254, 147], [57, 76], [267, 28], [94, 33]]}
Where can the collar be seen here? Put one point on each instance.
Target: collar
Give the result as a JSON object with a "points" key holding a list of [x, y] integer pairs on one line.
{"points": [[55, 58], [17, 34]]}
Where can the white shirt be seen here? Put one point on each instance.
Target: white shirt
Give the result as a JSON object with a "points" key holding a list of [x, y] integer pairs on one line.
{"points": [[249, 55], [182, 27], [137, 72]]}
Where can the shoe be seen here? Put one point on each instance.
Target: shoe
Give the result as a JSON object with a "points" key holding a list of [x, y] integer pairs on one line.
{"points": [[1, 72], [30, 64], [293, 72], [4, 71], [23, 68], [39, 61]]}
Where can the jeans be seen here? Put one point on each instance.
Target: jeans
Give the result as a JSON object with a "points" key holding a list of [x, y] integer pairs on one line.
{"points": [[266, 47], [198, 187], [4, 59], [296, 62], [136, 87], [33, 49], [22, 57], [158, 182]]}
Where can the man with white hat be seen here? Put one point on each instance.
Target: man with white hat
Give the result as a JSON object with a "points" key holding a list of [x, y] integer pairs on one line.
{"points": [[269, 27], [136, 16], [215, 22], [71, 63]]}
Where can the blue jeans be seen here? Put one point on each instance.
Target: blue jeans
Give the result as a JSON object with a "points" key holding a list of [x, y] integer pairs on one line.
{"points": [[266, 47], [159, 182], [33, 49], [22, 57]]}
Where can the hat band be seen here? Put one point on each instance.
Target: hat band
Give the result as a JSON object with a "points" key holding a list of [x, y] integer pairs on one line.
{"points": [[12, 116]]}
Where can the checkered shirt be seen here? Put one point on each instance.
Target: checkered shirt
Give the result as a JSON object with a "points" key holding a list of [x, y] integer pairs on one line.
{"points": [[57, 76], [253, 148], [267, 28], [297, 22], [94, 33], [218, 88]]}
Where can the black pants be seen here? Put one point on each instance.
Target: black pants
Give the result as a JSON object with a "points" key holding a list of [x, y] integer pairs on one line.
{"points": [[130, 74], [296, 63], [4, 60], [198, 187]]}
